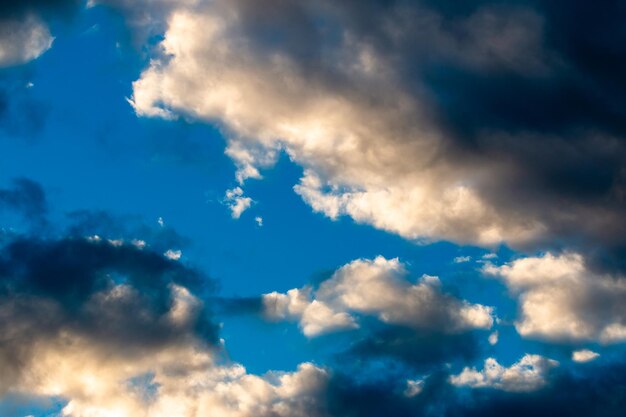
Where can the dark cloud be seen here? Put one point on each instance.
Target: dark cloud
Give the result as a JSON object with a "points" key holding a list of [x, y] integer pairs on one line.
{"points": [[517, 86], [45, 8], [351, 399], [26, 196], [240, 305], [106, 225], [21, 115], [589, 391], [424, 351], [118, 297], [592, 391]]}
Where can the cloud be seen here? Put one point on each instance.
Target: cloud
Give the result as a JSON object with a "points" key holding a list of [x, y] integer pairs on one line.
{"points": [[528, 374], [423, 350], [24, 33], [561, 299], [116, 330], [462, 259], [379, 288], [237, 202], [25, 196], [414, 387], [158, 237], [173, 254], [584, 355], [23, 41], [567, 394], [423, 119]]}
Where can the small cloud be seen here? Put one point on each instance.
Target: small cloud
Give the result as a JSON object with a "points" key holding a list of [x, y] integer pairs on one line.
{"points": [[462, 259], [161, 222], [115, 242], [138, 243], [584, 355], [237, 202], [174, 255], [259, 221], [493, 338], [29, 85], [490, 256], [94, 238], [414, 387]]}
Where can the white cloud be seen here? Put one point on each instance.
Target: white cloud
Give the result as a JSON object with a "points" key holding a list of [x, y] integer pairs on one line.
{"points": [[376, 287], [259, 221], [462, 259], [493, 338], [528, 374], [186, 382], [414, 387], [172, 254], [584, 355], [23, 40], [116, 242], [237, 202], [375, 157], [138, 243], [179, 377], [316, 318], [561, 299]]}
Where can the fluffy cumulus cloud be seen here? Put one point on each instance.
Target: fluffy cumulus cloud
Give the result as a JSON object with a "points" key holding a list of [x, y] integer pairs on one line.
{"points": [[562, 299], [397, 114], [380, 288], [114, 330], [528, 374]]}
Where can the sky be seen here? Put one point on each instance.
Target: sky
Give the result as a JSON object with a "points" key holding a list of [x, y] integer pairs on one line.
{"points": [[290, 208]]}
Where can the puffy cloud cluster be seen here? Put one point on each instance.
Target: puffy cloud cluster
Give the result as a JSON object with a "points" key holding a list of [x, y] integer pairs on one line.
{"points": [[356, 140], [399, 114], [113, 329], [180, 382], [528, 374], [380, 288], [562, 299]]}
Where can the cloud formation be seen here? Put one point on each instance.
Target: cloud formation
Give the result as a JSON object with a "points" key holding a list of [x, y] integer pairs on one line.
{"points": [[379, 288], [528, 374], [561, 299], [114, 329], [398, 115]]}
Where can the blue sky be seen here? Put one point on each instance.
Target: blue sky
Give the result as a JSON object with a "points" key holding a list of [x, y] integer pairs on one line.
{"points": [[110, 163]]}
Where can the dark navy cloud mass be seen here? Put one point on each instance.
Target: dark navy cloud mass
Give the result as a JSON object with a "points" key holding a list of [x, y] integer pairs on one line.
{"points": [[289, 208]]}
